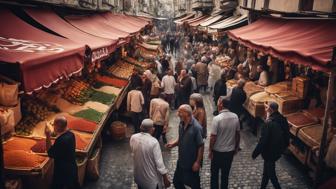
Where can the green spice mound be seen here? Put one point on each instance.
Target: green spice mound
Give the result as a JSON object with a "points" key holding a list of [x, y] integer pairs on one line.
{"points": [[90, 114]]}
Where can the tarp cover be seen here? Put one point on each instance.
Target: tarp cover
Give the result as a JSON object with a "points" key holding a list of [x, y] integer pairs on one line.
{"points": [[307, 42], [211, 20], [101, 47], [231, 21], [120, 24], [181, 20], [198, 22], [44, 58]]}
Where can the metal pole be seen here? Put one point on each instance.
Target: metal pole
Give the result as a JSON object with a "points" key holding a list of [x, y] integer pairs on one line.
{"points": [[323, 143]]}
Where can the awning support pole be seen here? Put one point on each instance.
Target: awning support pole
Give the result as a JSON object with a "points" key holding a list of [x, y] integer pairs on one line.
{"points": [[323, 143]]}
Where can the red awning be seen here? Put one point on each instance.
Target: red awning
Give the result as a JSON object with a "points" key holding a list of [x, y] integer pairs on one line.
{"points": [[101, 48], [194, 19], [95, 26], [307, 42], [44, 58], [120, 24], [140, 24], [181, 20]]}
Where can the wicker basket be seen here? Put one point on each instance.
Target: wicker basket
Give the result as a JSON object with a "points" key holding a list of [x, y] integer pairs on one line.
{"points": [[118, 130]]}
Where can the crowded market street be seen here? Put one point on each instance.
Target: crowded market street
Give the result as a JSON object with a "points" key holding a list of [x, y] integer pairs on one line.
{"points": [[117, 163]]}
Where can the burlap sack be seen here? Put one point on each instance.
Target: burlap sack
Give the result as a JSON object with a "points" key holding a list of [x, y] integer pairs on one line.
{"points": [[8, 94]]}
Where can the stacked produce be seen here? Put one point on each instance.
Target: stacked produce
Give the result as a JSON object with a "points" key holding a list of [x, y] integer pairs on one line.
{"points": [[110, 90], [34, 111], [78, 92], [223, 61], [90, 114], [121, 69], [133, 61]]}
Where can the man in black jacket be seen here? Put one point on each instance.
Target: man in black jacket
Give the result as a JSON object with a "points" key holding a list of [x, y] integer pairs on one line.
{"points": [[274, 140], [219, 90], [238, 97]]}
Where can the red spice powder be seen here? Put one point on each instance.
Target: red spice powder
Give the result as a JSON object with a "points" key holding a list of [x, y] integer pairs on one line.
{"points": [[80, 124], [112, 81], [17, 143], [20, 158]]}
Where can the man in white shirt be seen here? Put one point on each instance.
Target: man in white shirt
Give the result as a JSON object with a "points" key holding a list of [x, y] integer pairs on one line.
{"points": [[168, 84], [135, 101], [149, 169], [224, 143], [159, 113], [263, 78]]}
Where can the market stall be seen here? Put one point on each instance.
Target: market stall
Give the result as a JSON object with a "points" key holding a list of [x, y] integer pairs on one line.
{"points": [[312, 47]]}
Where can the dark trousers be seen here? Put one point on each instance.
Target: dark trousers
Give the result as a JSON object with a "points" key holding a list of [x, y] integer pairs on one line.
{"points": [[74, 185], [221, 161], [158, 133], [269, 174], [186, 177], [170, 100], [136, 121]]}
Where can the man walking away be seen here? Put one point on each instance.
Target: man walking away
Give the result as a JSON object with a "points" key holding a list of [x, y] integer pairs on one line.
{"points": [[238, 98], [274, 140], [219, 90], [149, 169], [224, 143], [135, 101], [190, 150], [168, 84], [159, 113]]}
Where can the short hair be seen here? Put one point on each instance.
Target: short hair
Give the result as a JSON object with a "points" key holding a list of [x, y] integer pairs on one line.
{"points": [[225, 102], [187, 108], [198, 99], [61, 121], [273, 105], [146, 125]]}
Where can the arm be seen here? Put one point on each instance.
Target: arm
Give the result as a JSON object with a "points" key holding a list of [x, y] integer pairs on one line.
{"points": [[151, 109], [199, 140], [262, 142], [142, 100], [128, 101], [213, 137], [237, 141]]}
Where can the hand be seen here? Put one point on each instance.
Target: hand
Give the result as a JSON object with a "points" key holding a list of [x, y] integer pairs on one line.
{"points": [[166, 182], [210, 155], [169, 145], [254, 156], [196, 166]]}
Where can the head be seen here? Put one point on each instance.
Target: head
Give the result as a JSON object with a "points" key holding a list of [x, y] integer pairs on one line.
{"points": [[271, 107], [185, 112], [135, 71], [250, 60], [148, 74], [147, 126], [240, 68], [183, 72], [196, 100], [223, 103], [60, 124], [241, 83]]}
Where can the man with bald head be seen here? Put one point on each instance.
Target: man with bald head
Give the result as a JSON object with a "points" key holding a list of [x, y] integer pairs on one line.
{"points": [[190, 150], [63, 151]]}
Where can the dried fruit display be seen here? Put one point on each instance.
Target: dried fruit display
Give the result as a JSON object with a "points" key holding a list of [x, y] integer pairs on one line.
{"points": [[137, 63], [112, 81], [223, 61], [121, 69], [78, 92]]}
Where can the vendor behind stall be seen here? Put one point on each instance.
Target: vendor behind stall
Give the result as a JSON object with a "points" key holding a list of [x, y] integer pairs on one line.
{"points": [[63, 151]]}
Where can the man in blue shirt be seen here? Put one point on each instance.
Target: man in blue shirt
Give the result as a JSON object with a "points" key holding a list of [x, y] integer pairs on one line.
{"points": [[190, 152]]}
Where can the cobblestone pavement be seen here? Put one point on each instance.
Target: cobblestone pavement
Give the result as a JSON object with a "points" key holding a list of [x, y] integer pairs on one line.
{"points": [[117, 171]]}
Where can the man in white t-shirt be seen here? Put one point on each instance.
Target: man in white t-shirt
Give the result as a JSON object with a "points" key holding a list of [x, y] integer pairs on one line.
{"points": [[224, 143]]}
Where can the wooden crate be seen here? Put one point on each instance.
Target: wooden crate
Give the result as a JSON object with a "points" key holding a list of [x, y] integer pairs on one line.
{"points": [[255, 105], [299, 120], [289, 104], [300, 86]]}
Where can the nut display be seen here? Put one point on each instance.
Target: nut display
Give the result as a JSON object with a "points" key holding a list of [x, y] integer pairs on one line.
{"points": [[78, 92], [121, 69], [223, 61]]}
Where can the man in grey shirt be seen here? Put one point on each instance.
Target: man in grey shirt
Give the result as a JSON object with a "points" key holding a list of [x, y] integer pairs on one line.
{"points": [[224, 143]]}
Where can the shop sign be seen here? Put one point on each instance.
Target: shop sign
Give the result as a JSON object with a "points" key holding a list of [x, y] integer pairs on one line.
{"points": [[98, 54], [20, 45]]}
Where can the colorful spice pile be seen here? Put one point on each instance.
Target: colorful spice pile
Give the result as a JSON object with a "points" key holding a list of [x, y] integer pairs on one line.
{"points": [[90, 114], [81, 124], [112, 81], [40, 146], [103, 108], [81, 142], [18, 143], [20, 158], [109, 89], [102, 97]]}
